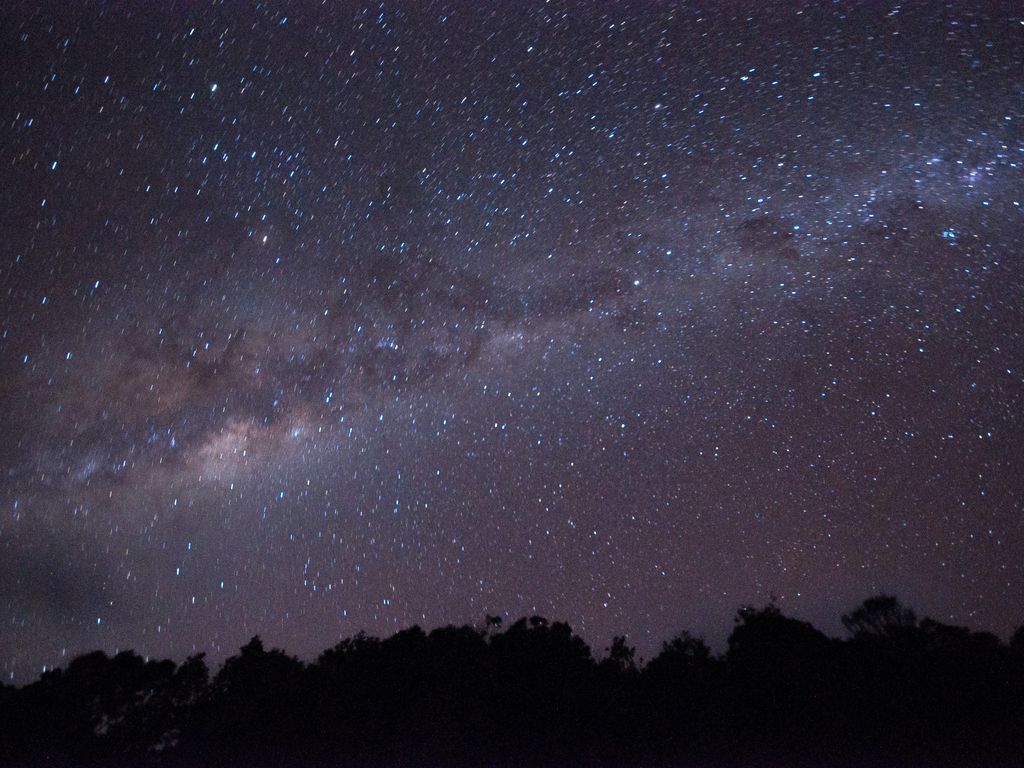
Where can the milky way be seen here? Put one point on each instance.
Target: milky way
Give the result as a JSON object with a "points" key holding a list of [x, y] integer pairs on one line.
{"points": [[327, 317]]}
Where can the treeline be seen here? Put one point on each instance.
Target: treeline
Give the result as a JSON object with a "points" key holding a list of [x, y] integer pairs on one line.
{"points": [[533, 693]]}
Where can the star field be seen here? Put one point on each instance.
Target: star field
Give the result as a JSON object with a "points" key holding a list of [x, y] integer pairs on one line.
{"points": [[321, 317]]}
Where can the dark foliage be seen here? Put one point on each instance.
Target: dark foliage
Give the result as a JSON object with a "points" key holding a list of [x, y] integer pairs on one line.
{"points": [[898, 688]]}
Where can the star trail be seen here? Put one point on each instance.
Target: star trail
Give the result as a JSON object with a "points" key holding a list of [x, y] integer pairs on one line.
{"points": [[323, 317]]}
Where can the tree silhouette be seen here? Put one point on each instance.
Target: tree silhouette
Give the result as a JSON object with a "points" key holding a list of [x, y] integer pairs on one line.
{"points": [[621, 657], [898, 689], [1017, 640], [254, 704], [677, 686], [880, 616]]}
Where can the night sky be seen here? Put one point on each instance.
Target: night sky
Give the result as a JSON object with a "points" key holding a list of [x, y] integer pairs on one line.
{"points": [[317, 318]]}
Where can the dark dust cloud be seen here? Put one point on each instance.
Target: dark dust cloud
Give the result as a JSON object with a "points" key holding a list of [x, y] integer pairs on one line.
{"points": [[321, 317]]}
